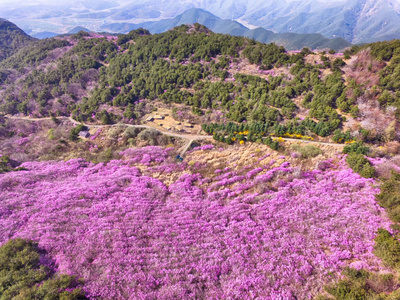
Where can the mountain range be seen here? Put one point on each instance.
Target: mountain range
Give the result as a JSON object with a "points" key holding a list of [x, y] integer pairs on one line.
{"points": [[291, 41], [356, 21]]}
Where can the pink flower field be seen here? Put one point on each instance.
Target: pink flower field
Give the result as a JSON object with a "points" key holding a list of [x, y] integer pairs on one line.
{"points": [[262, 233]]}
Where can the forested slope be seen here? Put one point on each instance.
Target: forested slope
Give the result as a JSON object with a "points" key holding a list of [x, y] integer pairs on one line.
{"points": [[96, 77], [12, 39]]}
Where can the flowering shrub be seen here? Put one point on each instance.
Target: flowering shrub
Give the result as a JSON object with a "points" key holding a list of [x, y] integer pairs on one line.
{"points": [[205, 147], [22, 141], [299, 136], [223, 237], [97, 133], [145, 155]]}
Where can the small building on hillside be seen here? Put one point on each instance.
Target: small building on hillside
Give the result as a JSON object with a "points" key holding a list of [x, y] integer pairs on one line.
{"points": [[150, 119], [84, 134], [159, 117], [188, 125]]}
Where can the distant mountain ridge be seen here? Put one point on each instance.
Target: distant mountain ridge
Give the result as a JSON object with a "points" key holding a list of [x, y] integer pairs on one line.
{"points": [[12, 38], [290, 41], [44, 34], [357, 21], [354, 20]]}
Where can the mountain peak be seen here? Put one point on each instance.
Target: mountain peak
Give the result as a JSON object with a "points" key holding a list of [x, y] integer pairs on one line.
{"points": [[77, 29]]}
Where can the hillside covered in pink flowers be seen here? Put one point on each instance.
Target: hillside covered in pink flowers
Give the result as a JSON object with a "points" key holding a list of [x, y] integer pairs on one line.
{"points": [[266, 231]]}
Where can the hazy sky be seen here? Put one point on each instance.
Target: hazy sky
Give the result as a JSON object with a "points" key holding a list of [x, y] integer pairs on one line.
{"points": [[31, 2]]}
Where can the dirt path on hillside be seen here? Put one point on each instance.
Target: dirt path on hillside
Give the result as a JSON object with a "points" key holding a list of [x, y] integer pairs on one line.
{"points": [[190, 137]]}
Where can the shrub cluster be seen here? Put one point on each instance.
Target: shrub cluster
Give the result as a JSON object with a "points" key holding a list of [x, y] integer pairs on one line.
{"points": [[360, 165], [23, 276], [389, 197], [307, 151], [387, 248], [357, 147], [361, 284], [6, 165]]}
